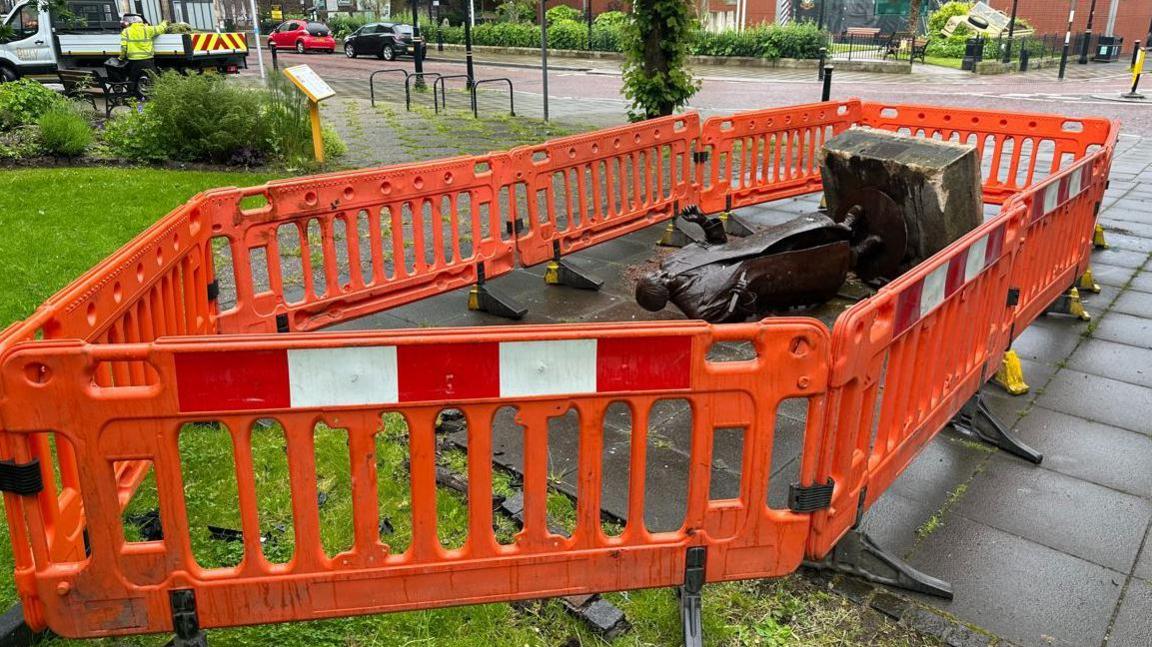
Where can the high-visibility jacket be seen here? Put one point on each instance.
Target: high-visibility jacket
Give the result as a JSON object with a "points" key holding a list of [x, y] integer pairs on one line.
{"points": [[136, 40]]}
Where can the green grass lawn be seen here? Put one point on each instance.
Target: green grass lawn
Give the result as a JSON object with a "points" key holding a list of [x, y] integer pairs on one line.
{"points": [[58, 223], [943, 62]]}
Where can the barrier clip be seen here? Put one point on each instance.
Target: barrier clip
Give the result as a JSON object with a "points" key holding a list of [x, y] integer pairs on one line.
{"points": [[484, 299], [810, 498], [185, 622], [213, 289], [689, 593], [1069, 303], [976, 420], [857, 554], [21, 478], [1010, 375], [1098, 237], [1087, 282], [561, 272]]}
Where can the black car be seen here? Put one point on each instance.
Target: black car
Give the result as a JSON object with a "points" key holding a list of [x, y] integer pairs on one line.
{"points": [[384, 39]]}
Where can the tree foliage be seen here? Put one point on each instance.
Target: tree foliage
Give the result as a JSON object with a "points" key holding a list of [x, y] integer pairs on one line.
{"points": [[656, 44]]}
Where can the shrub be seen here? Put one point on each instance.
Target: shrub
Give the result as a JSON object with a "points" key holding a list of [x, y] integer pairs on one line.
{"points": [[341, 26], [562, 12], [19, 142], [939, 18], [568, 34], [795, 40], [507, 34], [64, 131], [656, 42], [135, 136], [23, 101], [610, 19], [517, 11], [204, 118]]}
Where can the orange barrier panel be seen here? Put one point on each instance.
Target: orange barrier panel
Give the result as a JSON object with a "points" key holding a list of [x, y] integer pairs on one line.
{"points": [[585, 189], [1017, 150], [349, 381], [1061, 215], [85, 372], [324, 249], [754, 157]]}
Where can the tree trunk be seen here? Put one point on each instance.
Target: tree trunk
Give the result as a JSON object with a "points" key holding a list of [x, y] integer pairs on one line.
{"points": [[914, 17]]}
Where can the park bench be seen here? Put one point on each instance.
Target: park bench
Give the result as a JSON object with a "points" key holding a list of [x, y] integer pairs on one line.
{"points": [[88, 86], [861, 32], [899, 41]]}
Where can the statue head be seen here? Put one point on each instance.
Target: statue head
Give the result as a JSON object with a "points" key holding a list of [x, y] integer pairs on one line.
{"points": [[652, 291]]}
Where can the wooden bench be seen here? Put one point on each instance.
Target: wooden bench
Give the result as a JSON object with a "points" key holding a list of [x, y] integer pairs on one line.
{"points": [[88, 86], [864, 32]]}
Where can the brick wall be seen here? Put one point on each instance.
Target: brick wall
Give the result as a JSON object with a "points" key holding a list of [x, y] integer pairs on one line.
{"points": [[1050, 17]]}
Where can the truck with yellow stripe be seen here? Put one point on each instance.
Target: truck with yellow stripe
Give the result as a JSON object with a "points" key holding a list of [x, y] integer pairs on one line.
{"points": [[31, 45]]}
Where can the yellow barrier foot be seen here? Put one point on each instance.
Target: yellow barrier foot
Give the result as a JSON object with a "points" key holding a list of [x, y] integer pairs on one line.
{"points": [[484, 299], [823, 203], [673, 236], [561, 272], [1070, 304], [1098, 238], [1087, 282], [977, 421], [1010, 375], [857, 554]]}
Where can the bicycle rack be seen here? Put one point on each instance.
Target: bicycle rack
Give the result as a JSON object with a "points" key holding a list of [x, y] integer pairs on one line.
{"points": [[443, 87], [511, 97], [408, 90], [372, 83]]}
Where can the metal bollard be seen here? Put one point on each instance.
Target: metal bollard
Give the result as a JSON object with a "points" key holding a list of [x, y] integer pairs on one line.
{"points": [[820, 68], [827, 92], [1135, 53], [275, 65]]}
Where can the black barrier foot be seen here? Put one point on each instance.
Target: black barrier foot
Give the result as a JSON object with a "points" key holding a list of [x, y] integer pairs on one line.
{"points": [[977, 421], [484, 299], [734, 225], [185, 623], [561, 272], [689, 594], [856, 554], [14, 632]]}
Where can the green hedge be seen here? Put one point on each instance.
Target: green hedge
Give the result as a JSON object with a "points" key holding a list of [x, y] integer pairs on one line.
{"points": [[765, 41]]}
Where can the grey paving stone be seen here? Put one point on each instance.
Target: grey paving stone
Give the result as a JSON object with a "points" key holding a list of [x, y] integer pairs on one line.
{"points": [[1119, 257], [1083, 519], [1142, 281], [947, 461], [1133, 626], [1129, 242], [1008, 407], [1048, 340], [1124, 329], [1134, 302], [1110, 456], [893, 520], [1099, 398], [1024, 592], [1124, 227], [1117, 361], [1111, 274]]}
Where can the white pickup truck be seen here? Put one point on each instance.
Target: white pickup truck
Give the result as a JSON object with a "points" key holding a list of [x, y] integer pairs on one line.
{"points": [[32, 46]]}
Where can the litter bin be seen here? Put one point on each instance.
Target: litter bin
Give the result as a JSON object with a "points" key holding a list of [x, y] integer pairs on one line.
{"points": [[1108, 49], [1024, 58], [973, 53]]}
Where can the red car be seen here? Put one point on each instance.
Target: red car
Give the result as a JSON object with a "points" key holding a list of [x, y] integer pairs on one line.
{"points": [[302, 36]]}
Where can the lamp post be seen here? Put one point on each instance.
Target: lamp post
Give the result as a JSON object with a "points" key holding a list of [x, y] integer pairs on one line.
{"points": [[544, 55], [1087, 34], [468, 45], [820, 17], [1067, 42], [1011, 31], [418, 43]]}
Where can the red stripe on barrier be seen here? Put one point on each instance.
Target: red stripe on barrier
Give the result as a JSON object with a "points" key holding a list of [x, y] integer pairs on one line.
{"points": [[448, 371], [643, 363], [907, 308], [234, 381], [995, 246], [956, 268]]}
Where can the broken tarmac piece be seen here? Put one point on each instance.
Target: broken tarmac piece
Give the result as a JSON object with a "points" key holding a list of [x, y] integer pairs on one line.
{"points": [[934, 184]]}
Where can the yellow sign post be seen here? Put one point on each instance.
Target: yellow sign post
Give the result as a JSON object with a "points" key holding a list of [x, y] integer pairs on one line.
{"points": [[317, 90]]}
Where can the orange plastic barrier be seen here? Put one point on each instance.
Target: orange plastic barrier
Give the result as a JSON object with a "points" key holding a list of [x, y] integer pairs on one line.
{"points": [[607, 183], [755, 157], [301, 258], [88, 391], [349, 380]]}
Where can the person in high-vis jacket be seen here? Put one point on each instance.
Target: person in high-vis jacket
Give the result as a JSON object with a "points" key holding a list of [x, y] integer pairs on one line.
{"points": [[137, 49]]}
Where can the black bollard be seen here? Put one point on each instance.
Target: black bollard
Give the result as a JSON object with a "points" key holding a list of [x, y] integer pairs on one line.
{"points": [[820, 68], [827, 92], [276, 65]]}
